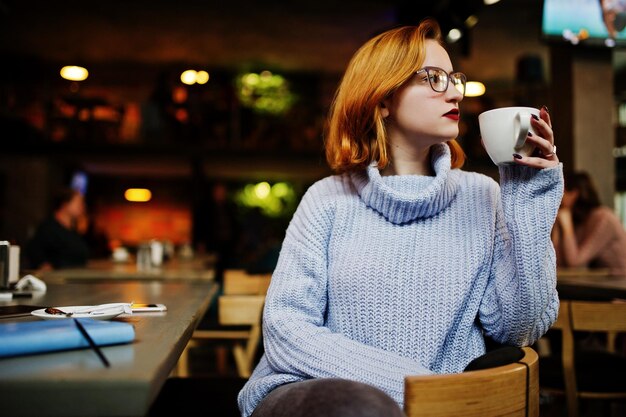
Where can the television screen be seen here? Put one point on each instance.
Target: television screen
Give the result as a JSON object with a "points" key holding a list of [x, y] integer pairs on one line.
{"points": [[585, 22]]}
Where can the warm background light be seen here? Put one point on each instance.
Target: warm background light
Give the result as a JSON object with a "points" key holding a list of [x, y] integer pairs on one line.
{"points": [[74, 73], [471, 21], [454, 35], [138, 195], [132, 224], [188, 77], [202, 77], [191, 77], [474, 89]]}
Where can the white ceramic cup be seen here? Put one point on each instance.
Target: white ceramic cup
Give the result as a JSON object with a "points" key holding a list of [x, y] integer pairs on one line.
{"points": [[504, 131]]}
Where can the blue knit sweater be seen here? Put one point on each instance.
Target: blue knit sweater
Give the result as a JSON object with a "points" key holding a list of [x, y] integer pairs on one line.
{"points": [[383, 277]]}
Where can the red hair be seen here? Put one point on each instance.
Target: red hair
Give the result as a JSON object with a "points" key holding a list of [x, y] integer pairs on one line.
{"points": [[356, 134]]}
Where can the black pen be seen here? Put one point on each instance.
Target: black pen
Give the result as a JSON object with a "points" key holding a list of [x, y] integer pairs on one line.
{"points": [[92, 343]]}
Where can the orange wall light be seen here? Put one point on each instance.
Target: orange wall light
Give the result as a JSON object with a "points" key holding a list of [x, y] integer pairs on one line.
{"points": [[138, 195]]}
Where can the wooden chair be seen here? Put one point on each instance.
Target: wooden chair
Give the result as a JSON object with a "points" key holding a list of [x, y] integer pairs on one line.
{"points": [[508, 390], [586, 373], [239, 282], [239, 310]]}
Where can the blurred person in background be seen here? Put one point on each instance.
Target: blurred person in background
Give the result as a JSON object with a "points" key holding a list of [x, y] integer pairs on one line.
{"points": [[56, 242], [95, 237], [614, 18], [586, 233]]}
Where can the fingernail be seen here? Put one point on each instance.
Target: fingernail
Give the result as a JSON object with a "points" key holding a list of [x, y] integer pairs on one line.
{"points": [[530, 134], [535, 116], [545, 108], [517, 156]]}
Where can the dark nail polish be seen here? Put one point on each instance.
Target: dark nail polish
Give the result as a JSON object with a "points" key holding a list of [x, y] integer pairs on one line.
{"points": [[535, 116], [530, 134], [545, 108], [517, 156]]}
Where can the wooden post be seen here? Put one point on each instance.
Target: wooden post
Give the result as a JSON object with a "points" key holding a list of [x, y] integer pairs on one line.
{"points": [[582, 110]]}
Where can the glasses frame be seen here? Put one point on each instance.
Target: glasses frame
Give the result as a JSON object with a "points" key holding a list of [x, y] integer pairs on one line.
{"points": [[448, 77]]}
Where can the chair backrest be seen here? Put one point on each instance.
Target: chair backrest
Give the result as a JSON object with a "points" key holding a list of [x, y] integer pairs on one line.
{"points": [[508, 390], [238, 281], [603, 316], [587, 316], [240, 305], [240, 309]]}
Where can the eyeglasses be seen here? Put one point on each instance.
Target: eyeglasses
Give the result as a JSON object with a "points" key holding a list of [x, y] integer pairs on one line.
{"points": [[439, 79]]}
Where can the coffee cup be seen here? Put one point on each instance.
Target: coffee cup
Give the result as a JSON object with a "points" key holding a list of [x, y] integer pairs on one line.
{"points": [[504, 132]]}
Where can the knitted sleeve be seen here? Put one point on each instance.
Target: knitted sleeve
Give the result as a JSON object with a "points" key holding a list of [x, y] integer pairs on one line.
{"points": [[296, 339], [521, 302]]}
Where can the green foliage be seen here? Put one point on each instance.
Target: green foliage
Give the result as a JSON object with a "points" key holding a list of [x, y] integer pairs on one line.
{"points": [[276, 200], [265, 92]]}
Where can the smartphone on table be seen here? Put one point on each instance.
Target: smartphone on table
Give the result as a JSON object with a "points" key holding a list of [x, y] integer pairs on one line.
{"points": [[145, 307]]}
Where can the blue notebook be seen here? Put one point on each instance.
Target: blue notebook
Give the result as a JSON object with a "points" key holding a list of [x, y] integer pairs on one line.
{"points": [[24, 338]]}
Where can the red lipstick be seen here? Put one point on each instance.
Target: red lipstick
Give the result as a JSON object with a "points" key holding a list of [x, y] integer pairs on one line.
{"points": [[452, 114]]}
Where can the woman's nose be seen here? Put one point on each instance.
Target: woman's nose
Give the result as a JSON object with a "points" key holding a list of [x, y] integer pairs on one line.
{"points": [[453, 93]]}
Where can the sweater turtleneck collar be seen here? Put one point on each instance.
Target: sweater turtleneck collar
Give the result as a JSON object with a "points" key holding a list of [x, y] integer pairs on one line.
{"points": [[404, 198]]}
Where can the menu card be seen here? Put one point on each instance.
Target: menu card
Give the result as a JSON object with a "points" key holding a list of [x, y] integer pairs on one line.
{"points": [[24, 338]]}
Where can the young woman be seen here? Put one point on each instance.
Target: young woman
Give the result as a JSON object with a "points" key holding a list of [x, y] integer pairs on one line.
{"points": [[402, 263], [586, 232]]}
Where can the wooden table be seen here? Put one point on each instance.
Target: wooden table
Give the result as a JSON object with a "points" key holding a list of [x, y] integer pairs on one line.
{"points": [[197, 269], [75, 383], [588, 286]]}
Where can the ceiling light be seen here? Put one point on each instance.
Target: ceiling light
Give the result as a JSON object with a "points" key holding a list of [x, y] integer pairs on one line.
{"points": [[490, 2], [138, 195], [189, 77], [74, 73], [454, 35], [202, 77]]}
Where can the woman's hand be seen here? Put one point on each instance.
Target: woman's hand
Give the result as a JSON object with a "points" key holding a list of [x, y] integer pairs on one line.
{"points": [[565, 220], [569, 199], [545, 152]]}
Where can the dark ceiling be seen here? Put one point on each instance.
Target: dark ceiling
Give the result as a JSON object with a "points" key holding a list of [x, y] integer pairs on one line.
{"points": [[295, 35], [298, 35]]}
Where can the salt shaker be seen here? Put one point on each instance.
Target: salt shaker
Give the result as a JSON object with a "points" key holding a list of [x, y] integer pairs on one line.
{"points": [[144, 261]]}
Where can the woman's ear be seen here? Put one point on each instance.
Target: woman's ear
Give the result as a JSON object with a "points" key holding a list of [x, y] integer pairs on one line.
{"points": [[384, 110]]}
